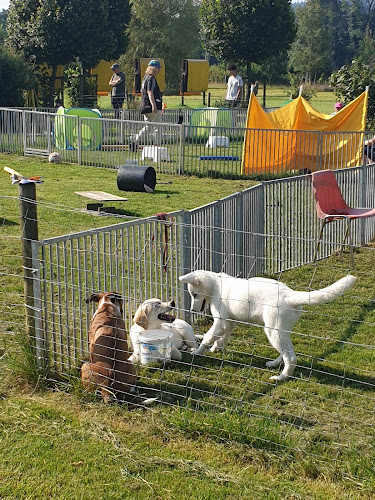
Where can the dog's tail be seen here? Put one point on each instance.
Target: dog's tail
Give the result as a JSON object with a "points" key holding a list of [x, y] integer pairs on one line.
{"points": [[321, 296]]}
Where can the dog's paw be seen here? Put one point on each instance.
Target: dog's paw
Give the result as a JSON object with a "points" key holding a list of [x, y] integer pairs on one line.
{"points": [[201, 349], [134, 359], [279, 378], [216, 348]]}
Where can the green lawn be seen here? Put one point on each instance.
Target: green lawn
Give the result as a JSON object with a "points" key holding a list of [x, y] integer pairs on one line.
{"points": [[275, 97], [225, 431]]}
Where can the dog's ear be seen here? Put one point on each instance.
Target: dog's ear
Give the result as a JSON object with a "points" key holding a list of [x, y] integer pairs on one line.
{"points": [[141, 316], [116, 299], [95, 297], [190, 278]]}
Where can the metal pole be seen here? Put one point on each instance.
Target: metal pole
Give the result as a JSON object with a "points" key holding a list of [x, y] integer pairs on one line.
{"points": [[185, 260]]}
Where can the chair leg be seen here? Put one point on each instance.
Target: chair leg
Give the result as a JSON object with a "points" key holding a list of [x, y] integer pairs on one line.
{"points": [[346, 235], [319, 241], [350, 244]]}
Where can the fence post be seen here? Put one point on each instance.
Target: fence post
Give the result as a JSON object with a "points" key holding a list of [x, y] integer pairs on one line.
{"points": [[24, 128], [181, 165], [319, 150], [363, 200], [49, 132], [31, 275], [239, 243], [185, 259], [122, 134], [217, 246], [262, 252], [79, 139]]}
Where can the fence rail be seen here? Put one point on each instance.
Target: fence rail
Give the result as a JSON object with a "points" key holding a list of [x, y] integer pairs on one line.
{"points": [[269, 228], [265, 229], [209, 142]]}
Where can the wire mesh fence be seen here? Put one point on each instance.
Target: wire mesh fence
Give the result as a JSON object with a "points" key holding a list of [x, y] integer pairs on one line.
{"points": [[326, 406], [208, 142]]}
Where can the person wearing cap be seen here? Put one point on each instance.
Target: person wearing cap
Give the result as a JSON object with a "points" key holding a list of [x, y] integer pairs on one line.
{"points": [[338, 107], [117, 82], [151, 101], [234, 87]]}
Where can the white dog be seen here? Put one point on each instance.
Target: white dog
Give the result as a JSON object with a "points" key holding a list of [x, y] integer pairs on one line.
{"points": [[153, 315], [264, 301]]}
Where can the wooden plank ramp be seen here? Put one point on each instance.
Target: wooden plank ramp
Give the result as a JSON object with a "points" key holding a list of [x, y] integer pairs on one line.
{"points": [[99, 197]]}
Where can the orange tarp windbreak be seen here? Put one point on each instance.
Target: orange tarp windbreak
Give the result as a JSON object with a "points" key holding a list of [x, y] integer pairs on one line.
{"points": [[291, 138]]}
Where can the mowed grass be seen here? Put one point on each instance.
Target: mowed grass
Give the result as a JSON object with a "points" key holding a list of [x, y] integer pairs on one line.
{"points": [[224, 430], [276, 96]]}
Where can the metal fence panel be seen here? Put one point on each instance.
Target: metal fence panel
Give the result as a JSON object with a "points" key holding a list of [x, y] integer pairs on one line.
{"points": [[11, 131], [139, 259], [196, 147]]}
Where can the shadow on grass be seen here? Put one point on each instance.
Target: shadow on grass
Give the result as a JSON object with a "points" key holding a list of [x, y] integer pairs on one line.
{"points": [[7, 222]]}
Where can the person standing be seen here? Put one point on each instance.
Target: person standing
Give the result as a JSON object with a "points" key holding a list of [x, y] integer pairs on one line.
{"points": [[234, 87], [151, 101], [117, 82]]}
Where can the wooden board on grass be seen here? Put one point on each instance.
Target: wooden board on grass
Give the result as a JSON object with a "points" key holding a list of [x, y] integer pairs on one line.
{"points": [[100, 196]]}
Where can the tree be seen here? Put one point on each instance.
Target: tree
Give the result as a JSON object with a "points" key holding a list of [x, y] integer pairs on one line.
{"points": [[246, 31], [351, 80], [172, 34], [3, 19], [57, 32], [12, 89], [311, 53]]}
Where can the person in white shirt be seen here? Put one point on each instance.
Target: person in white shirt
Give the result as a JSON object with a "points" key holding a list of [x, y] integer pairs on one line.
{"points": [[234, 87]]}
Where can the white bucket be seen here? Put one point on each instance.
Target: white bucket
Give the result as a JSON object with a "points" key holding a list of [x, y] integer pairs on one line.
{"points": [[155, 345]]}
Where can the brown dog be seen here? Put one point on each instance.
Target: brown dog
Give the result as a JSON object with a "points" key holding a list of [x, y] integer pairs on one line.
{"points": [[108, 368]]}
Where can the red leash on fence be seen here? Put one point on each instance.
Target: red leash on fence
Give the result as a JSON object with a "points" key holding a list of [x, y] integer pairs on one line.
{"points": [[162, 216]]}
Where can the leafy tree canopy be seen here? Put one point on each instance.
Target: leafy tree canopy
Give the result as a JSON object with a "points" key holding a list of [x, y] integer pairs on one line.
{"points": [[311, 53], [164, 28], [12, 89], [351, 80], [59, 31], [246, 31]]}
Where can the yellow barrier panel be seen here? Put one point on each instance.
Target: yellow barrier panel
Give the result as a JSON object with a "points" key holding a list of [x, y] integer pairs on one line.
{"points": [[272, 144]]}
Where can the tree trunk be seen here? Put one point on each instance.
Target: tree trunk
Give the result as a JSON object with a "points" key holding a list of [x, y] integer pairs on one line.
{"points": [[264, 93], [248, 77], [52, 85]]}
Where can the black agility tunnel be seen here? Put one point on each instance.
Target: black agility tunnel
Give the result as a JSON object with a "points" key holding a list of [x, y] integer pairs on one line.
{"points": [[136, 178]]}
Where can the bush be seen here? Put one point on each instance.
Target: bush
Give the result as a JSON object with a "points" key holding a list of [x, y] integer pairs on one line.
{"points": [[81, 89], [218, 74], [16, 76], [351, 80], [295, 82]]}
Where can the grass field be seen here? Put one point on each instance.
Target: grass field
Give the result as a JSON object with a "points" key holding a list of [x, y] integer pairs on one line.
{"points": [[225, 431], [324, 101]]}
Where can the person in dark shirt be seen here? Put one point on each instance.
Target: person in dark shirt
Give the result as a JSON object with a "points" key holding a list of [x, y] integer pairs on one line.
{"points": [[369, 151], [117, 82], [151, 101]]}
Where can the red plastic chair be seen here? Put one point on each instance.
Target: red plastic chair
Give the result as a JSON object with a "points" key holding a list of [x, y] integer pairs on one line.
{"points": [[331, 206]]}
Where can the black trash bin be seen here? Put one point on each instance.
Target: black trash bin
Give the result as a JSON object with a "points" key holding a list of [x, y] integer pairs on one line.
{"points": [[136, 178]]}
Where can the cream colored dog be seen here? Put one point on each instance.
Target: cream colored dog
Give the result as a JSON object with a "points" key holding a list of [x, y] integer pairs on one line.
{"points": [[260, 300], [152, 314]]}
